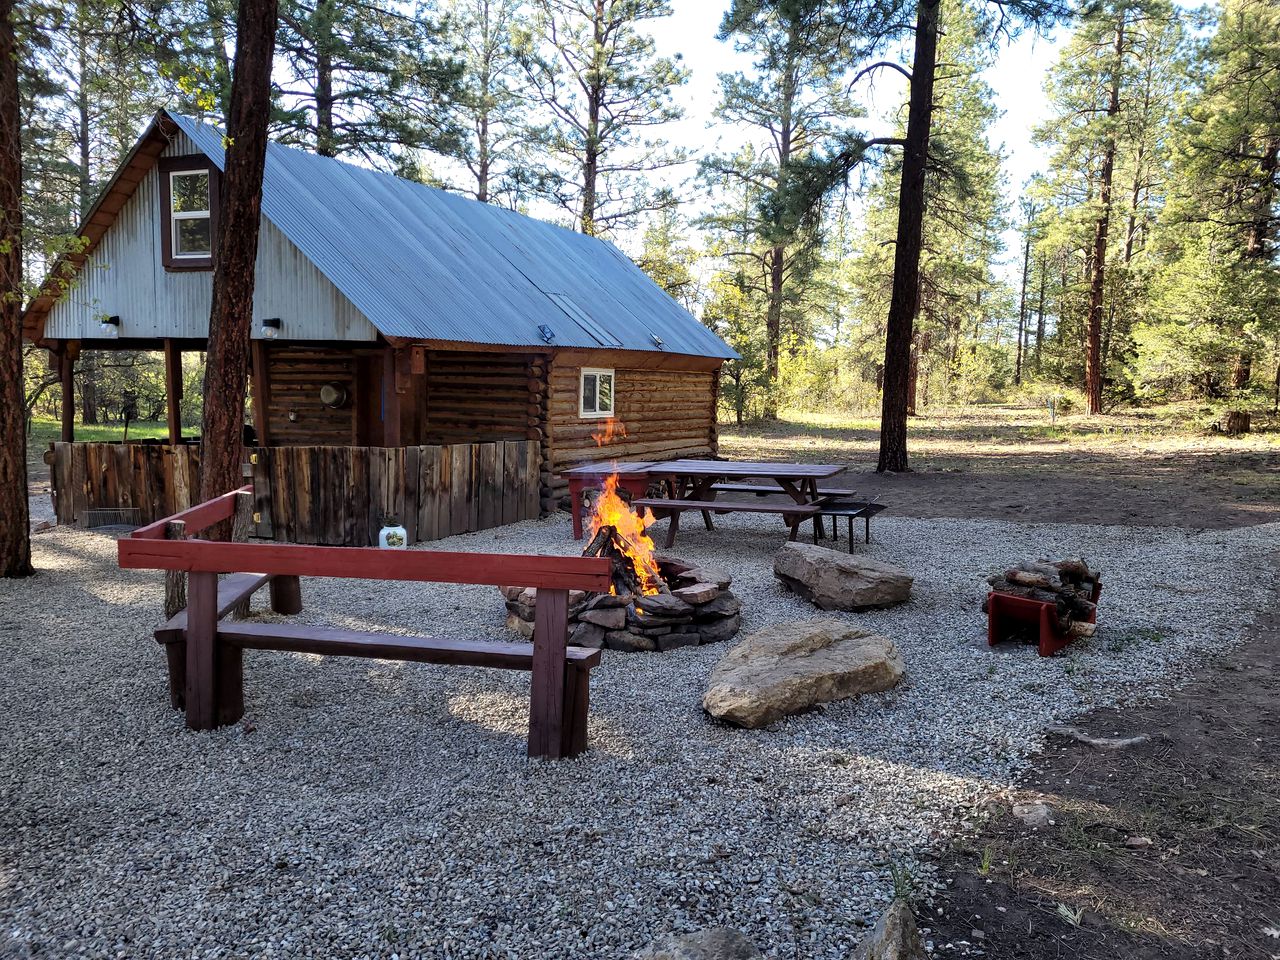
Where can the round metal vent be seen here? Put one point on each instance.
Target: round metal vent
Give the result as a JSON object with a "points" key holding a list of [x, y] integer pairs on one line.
{"points": [[333, 395]]}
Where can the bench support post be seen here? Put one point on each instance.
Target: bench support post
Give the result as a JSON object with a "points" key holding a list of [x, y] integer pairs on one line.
{"points": [[286, 595], [547, 695], [202, 634]]}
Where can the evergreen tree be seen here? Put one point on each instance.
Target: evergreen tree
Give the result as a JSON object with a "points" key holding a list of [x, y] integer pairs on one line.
{"points": [[591, 65]]}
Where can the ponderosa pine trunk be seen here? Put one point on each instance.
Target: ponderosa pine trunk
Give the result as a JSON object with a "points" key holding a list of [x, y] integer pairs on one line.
{"points": [[905, 299], [1093, 357], [15, 523], [326, 144], [591, 144], [1022, 308], [230, 319]]}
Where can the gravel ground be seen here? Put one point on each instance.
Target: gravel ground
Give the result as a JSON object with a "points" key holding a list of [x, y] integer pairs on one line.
{"points": [[371, 809]]}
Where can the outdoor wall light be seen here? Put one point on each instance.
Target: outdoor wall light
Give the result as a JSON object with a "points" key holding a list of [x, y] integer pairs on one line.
{"points": [[546, 333], [657, 340], [110, 327], [270, 328]]}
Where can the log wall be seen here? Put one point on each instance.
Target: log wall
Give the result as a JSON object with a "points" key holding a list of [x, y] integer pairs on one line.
{"points": [[339, 495], [157, 479], [295, 377], [659, 414], [474, 396]]}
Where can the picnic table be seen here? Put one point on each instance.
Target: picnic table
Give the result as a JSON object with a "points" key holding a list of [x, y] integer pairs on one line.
{"points": [[790, 489]]}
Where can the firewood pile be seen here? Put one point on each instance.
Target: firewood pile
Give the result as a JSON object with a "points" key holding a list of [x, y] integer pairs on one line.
{"points": [[1069, 585]]}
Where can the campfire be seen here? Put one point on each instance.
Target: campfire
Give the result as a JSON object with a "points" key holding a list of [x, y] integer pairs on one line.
{"points": [[655, 603]]}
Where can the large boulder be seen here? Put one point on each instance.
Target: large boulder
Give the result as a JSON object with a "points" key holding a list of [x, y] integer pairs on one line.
{"points": [[718, 943], [790, 667], [840, 581], [895, 937]]}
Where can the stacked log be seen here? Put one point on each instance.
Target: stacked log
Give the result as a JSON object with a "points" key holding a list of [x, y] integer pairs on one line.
{"points": [[1070, 585], [693, 606]]}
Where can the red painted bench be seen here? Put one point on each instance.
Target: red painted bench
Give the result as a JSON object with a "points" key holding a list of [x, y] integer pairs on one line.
{"points": [[211, 651]]}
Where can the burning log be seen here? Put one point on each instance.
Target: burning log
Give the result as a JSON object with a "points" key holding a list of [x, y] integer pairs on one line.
{"points": [[1070, 585]]}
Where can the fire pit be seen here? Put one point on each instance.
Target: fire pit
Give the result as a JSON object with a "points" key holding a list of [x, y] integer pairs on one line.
{"points": [[656, 603]]}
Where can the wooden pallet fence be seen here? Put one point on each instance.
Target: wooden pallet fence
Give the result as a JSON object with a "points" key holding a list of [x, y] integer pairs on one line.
{"points": [[156, 479], [340, 496]]}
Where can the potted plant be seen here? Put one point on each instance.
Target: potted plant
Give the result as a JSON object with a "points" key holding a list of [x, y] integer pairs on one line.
{"points": [[393, 536]]}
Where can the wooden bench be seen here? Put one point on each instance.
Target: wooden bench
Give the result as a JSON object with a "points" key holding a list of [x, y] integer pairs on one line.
{"points": [[211, 675], [792, 513]]}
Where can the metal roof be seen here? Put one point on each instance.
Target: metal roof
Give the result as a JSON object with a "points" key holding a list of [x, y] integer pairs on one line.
{"points": [[425, 264]]}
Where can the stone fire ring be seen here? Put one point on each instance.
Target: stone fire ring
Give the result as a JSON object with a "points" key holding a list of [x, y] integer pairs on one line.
{"points": [[699, 609]]}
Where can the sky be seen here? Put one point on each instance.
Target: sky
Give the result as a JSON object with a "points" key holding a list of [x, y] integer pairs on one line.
{"points": [[1017, 77]]}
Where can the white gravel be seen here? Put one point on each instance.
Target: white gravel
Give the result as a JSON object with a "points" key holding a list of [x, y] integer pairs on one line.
{"points": [[371, 809]]}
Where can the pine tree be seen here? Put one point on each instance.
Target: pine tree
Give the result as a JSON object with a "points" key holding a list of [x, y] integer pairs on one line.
{"points": [[591, 65]]}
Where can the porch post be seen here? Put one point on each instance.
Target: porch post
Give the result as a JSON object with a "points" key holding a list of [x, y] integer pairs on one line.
{"points": [[261, 391], [66, 370], [173, 389]]}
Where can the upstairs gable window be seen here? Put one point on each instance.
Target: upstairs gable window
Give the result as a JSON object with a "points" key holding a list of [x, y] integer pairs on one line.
{"points": [[189, 206]]}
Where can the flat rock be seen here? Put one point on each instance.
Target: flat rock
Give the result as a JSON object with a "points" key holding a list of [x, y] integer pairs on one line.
{"points": [[725, 605], [720, 630], [706, 575], [611, 618], [629, 642], [1034, 815], [697, 593], [670, 641], [790, 667], [664, 605], [840, 581], [717, 943], [894, 937], [587, 635]]}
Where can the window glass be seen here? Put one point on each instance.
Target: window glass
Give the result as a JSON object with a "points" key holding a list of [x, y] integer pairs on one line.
{"points": [[192, 236], [190, 192], [604, 393], [589, 393]]}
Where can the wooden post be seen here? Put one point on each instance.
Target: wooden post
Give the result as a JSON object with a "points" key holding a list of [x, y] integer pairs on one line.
{"points": [[241, 526], [66, 369], [546, 708], [173, 389], [202, 638], [261, 392], [175, 581], [390, 400]]}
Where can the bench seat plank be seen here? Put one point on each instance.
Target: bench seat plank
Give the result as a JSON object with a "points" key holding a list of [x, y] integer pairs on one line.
{"points": [[301, 638], [231, 591]]}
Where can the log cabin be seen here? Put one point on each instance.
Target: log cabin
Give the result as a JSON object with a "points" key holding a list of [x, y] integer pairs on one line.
{"points": [[394, 325]]}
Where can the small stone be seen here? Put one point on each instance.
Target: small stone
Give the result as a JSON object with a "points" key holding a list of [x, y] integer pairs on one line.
{"points": [[894, 937], [511, 593], [697, 592], [1034, 815], [522, 627], [522, 610], [706, 575], [717, 943], [609, 600], [611, 618]]}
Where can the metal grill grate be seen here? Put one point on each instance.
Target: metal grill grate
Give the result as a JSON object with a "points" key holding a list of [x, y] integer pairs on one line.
{"points": [[113, 517]]}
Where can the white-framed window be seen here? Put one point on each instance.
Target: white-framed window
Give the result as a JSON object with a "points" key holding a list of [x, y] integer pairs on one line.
{"points": [[190, 217], [595, 393]]}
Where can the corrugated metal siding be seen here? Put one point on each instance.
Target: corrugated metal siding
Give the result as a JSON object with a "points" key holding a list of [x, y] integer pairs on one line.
{"points": [[425, 264], [124, 277]]}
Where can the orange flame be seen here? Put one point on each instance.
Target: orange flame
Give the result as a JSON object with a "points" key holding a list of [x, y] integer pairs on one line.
{"points": [[613, 430], [612, 511]]}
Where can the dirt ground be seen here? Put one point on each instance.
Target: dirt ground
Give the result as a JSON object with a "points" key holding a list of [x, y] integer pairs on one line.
{"points": [[1169, 848], [1009, 463]]}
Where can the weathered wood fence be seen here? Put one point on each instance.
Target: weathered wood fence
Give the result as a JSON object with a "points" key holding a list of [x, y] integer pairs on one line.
{"points": [[156, 479], [340, 495], [335, 496]]}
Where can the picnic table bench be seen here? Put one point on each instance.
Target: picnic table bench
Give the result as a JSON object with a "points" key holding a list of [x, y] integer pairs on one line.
{"points": [[206, 654], [792, 513]]}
